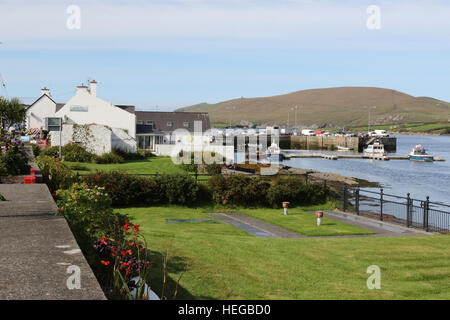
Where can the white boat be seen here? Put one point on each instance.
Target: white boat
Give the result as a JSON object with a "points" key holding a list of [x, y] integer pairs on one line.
{"points": [[419, 153], [339, 148], [274, 152], [375, 150]]}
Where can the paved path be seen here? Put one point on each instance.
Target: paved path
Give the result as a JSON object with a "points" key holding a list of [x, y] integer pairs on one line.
{"points": [[37, 248], [259, 228]]}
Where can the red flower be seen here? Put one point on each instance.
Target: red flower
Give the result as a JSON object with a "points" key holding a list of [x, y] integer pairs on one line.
{"points": [[131, 244], [136, 227], [105, 262], [125, 264], [127, 271], [129, 252], [123, 253], [126, 226]]}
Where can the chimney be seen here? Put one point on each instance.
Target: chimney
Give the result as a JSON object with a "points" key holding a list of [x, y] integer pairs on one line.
{"points": [[82, 89], [93, 88], [46, 91]]}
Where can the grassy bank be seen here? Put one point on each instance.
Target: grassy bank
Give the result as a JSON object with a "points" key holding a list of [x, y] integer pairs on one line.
{"points": [[410, 128], [227, 263]]}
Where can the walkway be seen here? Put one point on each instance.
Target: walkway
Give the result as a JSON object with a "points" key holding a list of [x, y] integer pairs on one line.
{"points": [[259, 228], [38, 252]]}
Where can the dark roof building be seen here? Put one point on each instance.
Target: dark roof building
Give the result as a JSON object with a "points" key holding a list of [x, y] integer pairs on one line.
{"points": [[170, 121]]}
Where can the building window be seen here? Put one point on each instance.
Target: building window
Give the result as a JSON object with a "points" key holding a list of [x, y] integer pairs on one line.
{"points": [[169, 123], [186, 124], [150, 123], [140, 122]]}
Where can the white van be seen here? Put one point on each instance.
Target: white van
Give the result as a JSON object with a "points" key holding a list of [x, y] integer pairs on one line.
{"points": [[379, 133], [307, 132]]}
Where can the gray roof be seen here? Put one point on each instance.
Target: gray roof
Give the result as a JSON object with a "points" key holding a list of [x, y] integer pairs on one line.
{"points": [[160, 119], [128, 108]]}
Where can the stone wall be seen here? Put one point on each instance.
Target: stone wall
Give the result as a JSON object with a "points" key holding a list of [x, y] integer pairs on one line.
{"points": [[97, 139]]}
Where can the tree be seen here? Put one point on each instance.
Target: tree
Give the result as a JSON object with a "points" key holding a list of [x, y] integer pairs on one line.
{"points": [[11, 111]]}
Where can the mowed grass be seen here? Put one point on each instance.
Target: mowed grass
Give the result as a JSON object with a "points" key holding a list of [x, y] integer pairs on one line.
{"points": [[147, 166], [300, 220], [227, 263]]}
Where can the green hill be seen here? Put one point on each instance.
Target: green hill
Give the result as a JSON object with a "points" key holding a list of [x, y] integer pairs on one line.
{"points": [[330, 106]]}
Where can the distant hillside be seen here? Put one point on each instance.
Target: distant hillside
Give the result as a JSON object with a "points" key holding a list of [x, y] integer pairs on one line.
{"points": [[331, 106]]}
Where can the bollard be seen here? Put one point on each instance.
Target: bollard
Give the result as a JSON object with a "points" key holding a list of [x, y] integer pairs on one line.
{"points": [[285, 207], [319, 215], [32, 172]]}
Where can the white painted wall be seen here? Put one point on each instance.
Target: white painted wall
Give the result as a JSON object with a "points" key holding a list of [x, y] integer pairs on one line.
{"points": [[98, 111], [36, 114], [101, 139]]}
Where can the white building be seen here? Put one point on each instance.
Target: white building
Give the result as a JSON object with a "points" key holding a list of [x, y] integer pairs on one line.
{"points": [[85, 108]]}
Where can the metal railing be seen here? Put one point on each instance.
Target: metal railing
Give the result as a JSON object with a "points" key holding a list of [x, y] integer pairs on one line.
{"points": [[376, 204]]}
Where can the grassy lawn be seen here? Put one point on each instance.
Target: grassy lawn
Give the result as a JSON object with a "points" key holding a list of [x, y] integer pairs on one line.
{"points": [[150, 165], [301, 221], [226, 263]]}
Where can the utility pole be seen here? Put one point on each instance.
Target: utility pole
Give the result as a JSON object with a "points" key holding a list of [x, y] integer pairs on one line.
{"points": [[368, 124]]}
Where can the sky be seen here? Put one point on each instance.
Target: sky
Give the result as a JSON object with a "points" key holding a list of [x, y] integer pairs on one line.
{"points": [[165, 54]]}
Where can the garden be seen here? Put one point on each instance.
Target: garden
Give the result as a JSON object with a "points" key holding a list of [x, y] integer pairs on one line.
{"points": [[120, 221]]}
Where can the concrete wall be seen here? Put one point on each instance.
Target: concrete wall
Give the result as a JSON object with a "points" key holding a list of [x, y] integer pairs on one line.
{"points": [[321, 142]]}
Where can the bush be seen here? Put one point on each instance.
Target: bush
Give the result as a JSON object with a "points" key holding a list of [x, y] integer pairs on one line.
{"points": [[76, 153], [14, 162], [55, 173], [213, 169], [108, 158], [125, 189], [294, 190], [49, 151], [87, 210], [36, 150], [128, 190], [237, 189], [178, 188], [128, 155]]}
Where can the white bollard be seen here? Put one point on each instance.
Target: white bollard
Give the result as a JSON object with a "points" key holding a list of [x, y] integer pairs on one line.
{"points": [[319, 221], [285, 211]]}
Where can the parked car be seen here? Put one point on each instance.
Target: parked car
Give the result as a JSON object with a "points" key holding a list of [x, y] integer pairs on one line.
{"points": [[379, 133]]}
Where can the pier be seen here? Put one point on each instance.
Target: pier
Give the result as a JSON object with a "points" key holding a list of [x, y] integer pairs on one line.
{"points": [[348, 156]]}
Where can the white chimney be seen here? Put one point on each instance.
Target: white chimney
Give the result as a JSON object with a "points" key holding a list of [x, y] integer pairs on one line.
{"points": [[93, 88], [46, 91], [82, 89]]}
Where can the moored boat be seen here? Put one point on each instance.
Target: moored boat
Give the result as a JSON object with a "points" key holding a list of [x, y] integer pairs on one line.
{"points": [[419, 153], [375, 150]]}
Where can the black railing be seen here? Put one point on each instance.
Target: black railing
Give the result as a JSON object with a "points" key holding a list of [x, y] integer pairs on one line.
{"points": [[377, 204]]}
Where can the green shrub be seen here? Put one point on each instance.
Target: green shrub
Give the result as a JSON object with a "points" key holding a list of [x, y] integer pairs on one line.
{"points": [[55, 173], [87, 210], [213, 169], [231, 190], [178, 188], [76, 153], [36, 150], [294, 190], [2, 198], [49, 151], [126, 189], [14, 161], [108, 158], [128, 155], [146, 154]]}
